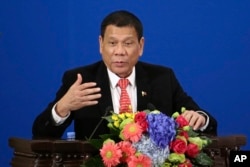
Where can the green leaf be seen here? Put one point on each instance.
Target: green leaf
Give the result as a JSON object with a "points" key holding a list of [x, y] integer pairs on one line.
{"points": [[203, 159], [108, 118], [106, 136], [192, 133], [97, 143]]}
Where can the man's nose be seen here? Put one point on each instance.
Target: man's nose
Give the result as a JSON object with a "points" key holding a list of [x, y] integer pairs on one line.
{"points": [[120, 50]]}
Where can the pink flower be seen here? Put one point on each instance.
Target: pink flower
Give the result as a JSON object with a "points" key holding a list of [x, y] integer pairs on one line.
{"points": [[140, 160], [110, 154], [132, 132], [127, 150]]}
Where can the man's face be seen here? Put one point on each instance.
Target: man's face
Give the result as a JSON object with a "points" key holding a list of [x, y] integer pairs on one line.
{"points": [[120, 49]]}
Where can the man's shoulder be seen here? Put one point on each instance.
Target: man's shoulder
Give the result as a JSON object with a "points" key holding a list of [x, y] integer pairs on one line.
{"points": [[89, 72], [154, 68], [90, 67]]}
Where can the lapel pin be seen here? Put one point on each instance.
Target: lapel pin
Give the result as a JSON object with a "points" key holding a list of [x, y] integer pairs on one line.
{"points": [[143, 93]]}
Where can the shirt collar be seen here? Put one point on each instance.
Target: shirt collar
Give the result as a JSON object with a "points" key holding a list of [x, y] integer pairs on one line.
{"points": [[113, 78]]}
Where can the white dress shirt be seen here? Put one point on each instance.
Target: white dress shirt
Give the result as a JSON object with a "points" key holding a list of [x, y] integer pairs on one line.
{"points": [[116, 90]]}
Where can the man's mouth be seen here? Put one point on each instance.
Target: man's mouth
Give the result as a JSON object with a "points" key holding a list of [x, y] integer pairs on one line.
{"points": [[119, 63]]}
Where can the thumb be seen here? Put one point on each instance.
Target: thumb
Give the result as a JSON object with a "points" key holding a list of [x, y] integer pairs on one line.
{"points": [[78, 80]]}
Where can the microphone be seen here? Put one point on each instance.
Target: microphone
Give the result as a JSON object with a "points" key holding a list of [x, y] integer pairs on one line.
{"points": [[108, 109], [151, 107]]}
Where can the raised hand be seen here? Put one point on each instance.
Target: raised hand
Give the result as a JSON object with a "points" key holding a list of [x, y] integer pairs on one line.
{"points": [[79, 95]]}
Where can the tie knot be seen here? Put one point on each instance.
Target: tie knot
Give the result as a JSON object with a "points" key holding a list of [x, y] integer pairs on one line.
{"points": [[123, 83]]}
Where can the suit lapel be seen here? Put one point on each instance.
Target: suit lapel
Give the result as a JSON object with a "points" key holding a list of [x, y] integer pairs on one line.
{"points": [[143, 88], [103, 82]]}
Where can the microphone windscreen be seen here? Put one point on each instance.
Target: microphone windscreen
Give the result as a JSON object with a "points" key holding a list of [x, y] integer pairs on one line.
{"points": [[151, 107]]}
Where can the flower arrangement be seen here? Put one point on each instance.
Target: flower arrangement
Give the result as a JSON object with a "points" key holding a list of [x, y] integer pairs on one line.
{"points": [[150, 139]]}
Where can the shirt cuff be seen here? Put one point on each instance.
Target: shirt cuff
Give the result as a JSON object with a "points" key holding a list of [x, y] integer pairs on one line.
{"points": [[207, 120], [58, 120]]}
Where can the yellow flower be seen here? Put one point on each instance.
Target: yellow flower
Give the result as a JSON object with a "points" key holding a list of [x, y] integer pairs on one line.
{"points": [[114, 117], [122, 116], [116, 124], [129, 115]]}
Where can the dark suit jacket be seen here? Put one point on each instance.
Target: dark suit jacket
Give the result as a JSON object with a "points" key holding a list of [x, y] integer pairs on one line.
{"points": [[160, 84]]}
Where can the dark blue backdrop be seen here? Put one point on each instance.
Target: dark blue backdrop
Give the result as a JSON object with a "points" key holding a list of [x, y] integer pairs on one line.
{"points": [[207, 43]]}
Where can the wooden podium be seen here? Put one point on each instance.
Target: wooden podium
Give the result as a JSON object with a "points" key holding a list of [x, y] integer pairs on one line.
{"points": [[219, 149], [49, 153], [62, 153]]}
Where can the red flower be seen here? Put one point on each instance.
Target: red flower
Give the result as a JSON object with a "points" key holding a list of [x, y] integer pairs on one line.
{"points": [[140, 116], [181, 121], [179, 146], [192, 150], [183, 133], [141, 119]]}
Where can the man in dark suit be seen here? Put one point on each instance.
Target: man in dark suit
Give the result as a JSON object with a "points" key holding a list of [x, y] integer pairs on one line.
{"points": [[87, 92]]}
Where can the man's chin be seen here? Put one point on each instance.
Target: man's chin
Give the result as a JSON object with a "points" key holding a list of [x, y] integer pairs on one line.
{"points": [[122, 74]]}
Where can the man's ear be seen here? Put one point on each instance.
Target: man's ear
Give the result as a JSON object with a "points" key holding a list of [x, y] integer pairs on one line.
{"points": [[141, 45], [100, 44]]}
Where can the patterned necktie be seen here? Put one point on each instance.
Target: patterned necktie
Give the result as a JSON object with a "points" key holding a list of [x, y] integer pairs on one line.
{"points": [[125, 104]]}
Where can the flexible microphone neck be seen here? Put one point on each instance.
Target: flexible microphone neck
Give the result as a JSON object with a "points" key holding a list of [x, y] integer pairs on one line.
{"points": [[108, 109]]}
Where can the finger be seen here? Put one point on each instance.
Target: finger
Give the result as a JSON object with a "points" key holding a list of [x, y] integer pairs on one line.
{"points": [[90, 103], [193, 121], [92, 97], [87, 85], [199, 123], [196, 126], [90, 91], [84, 101], [187, 115], [78, 80]]}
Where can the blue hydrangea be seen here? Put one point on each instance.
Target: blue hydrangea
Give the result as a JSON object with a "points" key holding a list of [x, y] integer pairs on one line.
{"points": [[162, 129], [156, 154]]}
